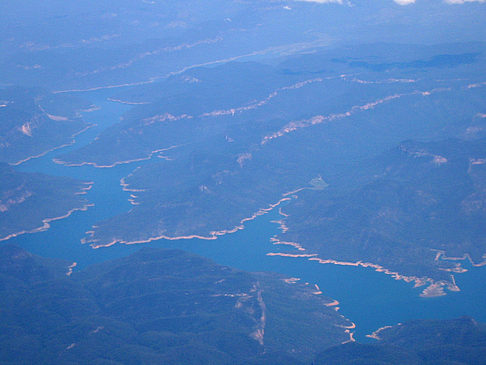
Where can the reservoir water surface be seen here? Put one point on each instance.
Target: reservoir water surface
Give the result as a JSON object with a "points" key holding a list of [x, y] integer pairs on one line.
{"points": [[368, 298]]}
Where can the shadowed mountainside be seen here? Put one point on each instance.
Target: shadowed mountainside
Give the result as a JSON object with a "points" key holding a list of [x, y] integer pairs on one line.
{"points": [[426, 342], [163, 306]]}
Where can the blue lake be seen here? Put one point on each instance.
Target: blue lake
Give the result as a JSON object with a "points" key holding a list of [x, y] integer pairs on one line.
{"points": [[368, 298]]}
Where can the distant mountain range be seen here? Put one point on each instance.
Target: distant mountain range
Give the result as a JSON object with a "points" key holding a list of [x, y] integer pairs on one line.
{"points": [[92, 44]]}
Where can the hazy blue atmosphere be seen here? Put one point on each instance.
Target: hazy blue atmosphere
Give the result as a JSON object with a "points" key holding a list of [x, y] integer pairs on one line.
{"points": [[243, 182]]}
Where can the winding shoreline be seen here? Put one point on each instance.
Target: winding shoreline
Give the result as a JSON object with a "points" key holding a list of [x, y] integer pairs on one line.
{"points": [[441, 255], [72, 142], [46, 221], [376, 334], [434, 288], [213, 235], [128, 102], [94, 164]]}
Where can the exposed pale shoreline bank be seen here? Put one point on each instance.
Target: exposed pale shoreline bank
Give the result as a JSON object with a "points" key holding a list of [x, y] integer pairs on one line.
{"points": [[212, 235], [46, 221], [73, 141]]}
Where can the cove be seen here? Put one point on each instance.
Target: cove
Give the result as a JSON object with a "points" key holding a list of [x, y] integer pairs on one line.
{"points": [[368, 298]]}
